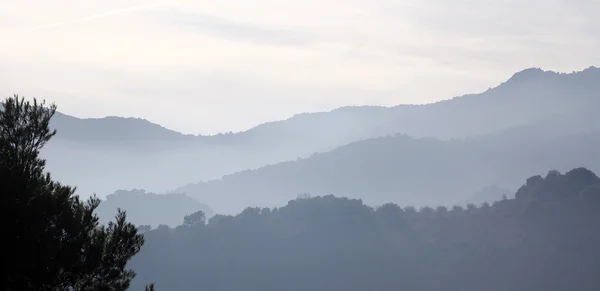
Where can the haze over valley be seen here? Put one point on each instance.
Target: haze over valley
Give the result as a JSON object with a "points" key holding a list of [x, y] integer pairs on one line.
{"points": [[415, 145]]}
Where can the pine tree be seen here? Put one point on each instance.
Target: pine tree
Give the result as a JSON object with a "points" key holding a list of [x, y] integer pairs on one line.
{"points": [[52, 239]]}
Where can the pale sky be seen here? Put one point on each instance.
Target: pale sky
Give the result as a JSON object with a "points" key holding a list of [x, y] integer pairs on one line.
{"points": [[228, 65]]}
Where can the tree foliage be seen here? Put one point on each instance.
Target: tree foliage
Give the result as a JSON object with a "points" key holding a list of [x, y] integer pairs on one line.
{"points": [[53, 240]]}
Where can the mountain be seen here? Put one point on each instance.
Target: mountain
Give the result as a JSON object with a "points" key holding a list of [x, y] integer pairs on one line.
{"points": [[149, 208], [413, 171], [134, 153], [112, 129]]}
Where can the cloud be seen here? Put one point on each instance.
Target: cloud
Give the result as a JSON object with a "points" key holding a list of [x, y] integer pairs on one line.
{"points": [[98, 16], [226, 28]]}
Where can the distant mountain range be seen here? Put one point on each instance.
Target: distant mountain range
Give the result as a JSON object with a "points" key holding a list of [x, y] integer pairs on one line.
{"points": [[107, 154]]}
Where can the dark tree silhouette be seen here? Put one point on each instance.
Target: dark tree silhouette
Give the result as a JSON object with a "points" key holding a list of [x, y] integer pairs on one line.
{"points": [[53, 240]]}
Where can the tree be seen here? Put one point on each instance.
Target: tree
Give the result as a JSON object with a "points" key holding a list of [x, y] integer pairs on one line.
{"points": [[458, 208], [441, 209], [53, 239], [196, 218]]}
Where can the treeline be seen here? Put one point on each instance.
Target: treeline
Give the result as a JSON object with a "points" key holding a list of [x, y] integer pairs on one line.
{"points": [[545, 238]]}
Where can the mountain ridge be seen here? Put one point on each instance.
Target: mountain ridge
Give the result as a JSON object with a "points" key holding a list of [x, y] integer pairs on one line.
{"points": [[525, 75]]}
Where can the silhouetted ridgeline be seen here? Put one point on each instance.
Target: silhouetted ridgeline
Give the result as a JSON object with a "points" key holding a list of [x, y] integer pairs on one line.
{"points": [[544, 239], [149, 208]]}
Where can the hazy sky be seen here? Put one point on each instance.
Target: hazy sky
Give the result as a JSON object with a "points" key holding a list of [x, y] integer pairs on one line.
{"points": [[210, 66]]}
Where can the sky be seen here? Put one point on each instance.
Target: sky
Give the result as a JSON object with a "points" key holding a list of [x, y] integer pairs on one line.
{"points": [[204, 67]]}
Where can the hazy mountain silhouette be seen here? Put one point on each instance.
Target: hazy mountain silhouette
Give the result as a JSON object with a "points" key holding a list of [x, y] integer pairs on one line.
{"points": [[134, 153], [149, 208], [112, 129]]}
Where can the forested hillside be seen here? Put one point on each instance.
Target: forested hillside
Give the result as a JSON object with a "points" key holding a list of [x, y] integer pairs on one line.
{"points": [[545, 238]]}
